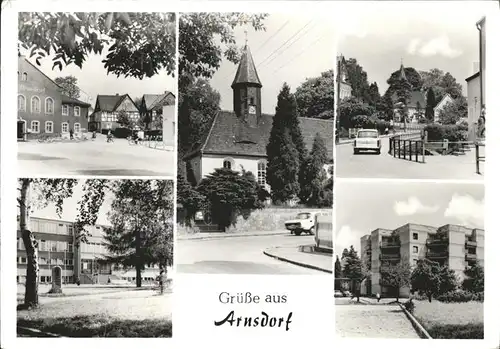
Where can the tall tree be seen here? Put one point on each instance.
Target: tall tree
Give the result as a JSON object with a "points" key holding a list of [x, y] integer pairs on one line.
{"points": [[474, 278], [412, 76], [141, 218], [285, 149], [373, 95], [198, 104], [137, 44], [430, 105], [338, 268], [312, 175], [349, 109], [315, 97], [358, 79], [396, 276], [431, 279], [354, 270], [40, 193], [70, 86], [442, 83]]}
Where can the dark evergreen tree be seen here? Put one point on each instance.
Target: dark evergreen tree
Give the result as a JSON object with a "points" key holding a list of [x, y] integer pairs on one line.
{"points": [[430, 104], [286, 149], [338, 268], [354, 269], [312, 176], [283, 168]]}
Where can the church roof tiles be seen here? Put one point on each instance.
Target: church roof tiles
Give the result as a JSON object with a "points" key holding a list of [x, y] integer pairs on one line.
{"points": [[246, 73], [230, 135]]}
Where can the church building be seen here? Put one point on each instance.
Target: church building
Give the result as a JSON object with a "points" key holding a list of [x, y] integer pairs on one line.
{"points": [[237, 139], [343, 85]]}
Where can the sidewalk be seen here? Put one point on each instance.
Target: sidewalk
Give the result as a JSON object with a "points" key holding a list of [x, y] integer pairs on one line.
{"points": [[318, 261], [208, 235]]}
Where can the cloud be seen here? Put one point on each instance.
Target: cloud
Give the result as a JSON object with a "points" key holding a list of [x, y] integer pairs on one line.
{"points": [[346, 237], [412, 206], [439, 46], [467, 210]]}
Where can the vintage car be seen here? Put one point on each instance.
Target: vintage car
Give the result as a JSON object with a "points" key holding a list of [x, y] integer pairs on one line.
{"points": [[305, 222], [367, 139]]}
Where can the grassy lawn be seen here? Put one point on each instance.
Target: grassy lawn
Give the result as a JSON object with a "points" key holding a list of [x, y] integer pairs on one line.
{"points": [[451, 320], [126, 314]]}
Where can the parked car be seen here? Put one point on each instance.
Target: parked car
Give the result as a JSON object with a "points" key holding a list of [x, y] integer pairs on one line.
{"points": [[305, 222], [338, 294], [367, 140]]}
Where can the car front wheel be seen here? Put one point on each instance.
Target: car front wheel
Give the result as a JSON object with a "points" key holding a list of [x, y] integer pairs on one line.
{"points": [[312, 231], [297, 232]]}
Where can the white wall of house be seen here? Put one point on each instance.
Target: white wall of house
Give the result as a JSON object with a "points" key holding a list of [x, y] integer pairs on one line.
{"points": [[473, 105], [438, 108], [169, 125]]}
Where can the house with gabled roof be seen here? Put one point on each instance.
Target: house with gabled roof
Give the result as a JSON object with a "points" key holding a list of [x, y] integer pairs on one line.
{"points": [[107, 109], [151, 107], [43, 107], [237, 139]]}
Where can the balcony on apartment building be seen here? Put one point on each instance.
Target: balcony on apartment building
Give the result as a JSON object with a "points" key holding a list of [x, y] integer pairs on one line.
{"points": [[469, 242], [470, 256], [389, 256], [437, 241], [436, 255], [387, 244]]}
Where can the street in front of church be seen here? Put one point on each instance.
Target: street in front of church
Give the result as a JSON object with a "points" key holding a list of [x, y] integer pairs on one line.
{"points": [[251, 254]]}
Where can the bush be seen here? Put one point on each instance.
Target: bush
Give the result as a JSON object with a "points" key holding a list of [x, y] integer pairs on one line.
{"points": [[460, 296], [409, 306], [469, 331], [453, 133]]}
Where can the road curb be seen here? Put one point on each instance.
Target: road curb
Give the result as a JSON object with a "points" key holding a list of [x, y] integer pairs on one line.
{"points": [[228, 235], [421, 331], [300, 264], [37, 333]]}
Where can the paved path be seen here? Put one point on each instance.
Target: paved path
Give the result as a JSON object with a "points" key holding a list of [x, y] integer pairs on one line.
{"points": [[93, 158], [370, 165], [371, 321], [238, 255]]}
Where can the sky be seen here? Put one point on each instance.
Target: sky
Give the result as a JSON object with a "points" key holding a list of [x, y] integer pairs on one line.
{"points": [[309, 52], [424, 36], [364, 207], [70, 208], [93, 79]]}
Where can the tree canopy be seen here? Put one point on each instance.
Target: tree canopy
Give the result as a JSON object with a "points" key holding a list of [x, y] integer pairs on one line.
{"points": [[70, 86], [315, 97], [412, 76], [431, 279], [206, 38], [136, 44]]}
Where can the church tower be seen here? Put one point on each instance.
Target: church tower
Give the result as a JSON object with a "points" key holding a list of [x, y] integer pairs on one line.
{"points": [[246, 90]]}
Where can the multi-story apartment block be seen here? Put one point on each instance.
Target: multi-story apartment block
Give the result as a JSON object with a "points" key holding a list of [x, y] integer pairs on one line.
{"points": [[57, 246], [451, 245]]}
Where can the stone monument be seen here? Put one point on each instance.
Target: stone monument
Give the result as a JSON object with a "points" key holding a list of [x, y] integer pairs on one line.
{"points": [[56, 280]]}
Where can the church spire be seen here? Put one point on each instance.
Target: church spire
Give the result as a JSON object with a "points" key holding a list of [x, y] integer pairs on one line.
{"points": [[247, 89], [246, 73]]}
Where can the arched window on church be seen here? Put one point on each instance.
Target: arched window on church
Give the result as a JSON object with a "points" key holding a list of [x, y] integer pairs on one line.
{"points": [[228, 163], [261, 173]]}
